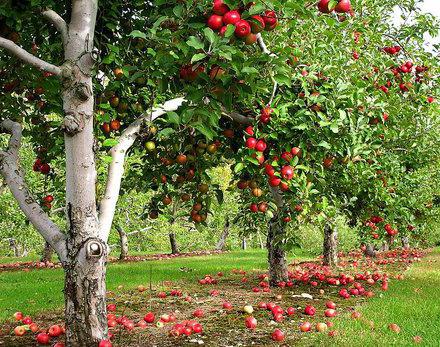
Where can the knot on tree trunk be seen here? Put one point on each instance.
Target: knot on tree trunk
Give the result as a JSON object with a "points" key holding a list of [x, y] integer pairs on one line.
{"points": [[73, 123]]}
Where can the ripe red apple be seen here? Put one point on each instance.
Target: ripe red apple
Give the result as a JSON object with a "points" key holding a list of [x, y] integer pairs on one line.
{"points": [[430, 99], [251, 142], [18, 316], [260, 146], [19, 330], [343, 6], [250, 322], [287, 172], [215, 22], [323, 6], [330, 304], [227, 305], [270, 19], [242, 28], [250, 130], [274, 181], [43, 339], [250, 39], [198, 313], [269, 169], [310, 310], [105, 343], [27, 320], [278, 335], [231, 17], [257, 24], [394, 327], [33, 327], [149, 317], [253, 208], [55, 331], [219, 7], [290, 311], [305, 326], [330, 312]]}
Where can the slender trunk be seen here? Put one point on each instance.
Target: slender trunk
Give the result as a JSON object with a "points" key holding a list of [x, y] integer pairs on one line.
{"points": [[47, 253], [330, 246], [369, 250], [260, 240], [243, 243], [385, 245], [123, 242], [405, 242], [173, 243], [14, 247], [276, 254], [222, 241]]}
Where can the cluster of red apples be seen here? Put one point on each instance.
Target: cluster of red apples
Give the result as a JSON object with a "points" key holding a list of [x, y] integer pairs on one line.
{"points": [[343, 6], [44, 336], [372, 224], [246, 29]]}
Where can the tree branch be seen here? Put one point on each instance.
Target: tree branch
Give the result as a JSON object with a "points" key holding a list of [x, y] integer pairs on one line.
{"points": [[25, 56], [14, 178], [116, 169], [265, 50], [59, 23], [237, 117]]}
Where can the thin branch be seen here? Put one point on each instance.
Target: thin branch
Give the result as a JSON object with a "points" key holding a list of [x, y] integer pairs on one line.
{"points": [[59, 23], [116, 169], [14, 178], [25, 56], [138, 231], [237, 117], [265, 50]]}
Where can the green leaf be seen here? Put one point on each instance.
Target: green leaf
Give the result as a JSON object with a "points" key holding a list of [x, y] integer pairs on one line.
{"points": [[173, 117], [110, 142], [238, 167], [166, 132], [203, 129], [195, 42], [137, 33], [282, 79], [198, 57], [210, 35], [325, 144]]}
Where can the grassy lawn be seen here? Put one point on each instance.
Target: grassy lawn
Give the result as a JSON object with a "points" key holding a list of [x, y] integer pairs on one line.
{"points": [[41, 290], [413, 304]]}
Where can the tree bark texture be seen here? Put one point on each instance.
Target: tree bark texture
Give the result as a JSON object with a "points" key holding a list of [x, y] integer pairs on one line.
{"points": [[221, 244], [276, 254], [330, 247]]}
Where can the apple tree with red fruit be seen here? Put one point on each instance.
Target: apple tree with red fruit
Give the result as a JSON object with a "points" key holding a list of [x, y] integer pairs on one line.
{"points": [[160, 81]]}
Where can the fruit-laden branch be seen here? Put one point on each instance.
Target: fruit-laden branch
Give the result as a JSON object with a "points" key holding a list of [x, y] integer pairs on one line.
{"points": [[14, 178], [116, 168], [58, 22], [25, 56]]}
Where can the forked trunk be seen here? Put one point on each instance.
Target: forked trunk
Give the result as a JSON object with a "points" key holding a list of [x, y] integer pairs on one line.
{"points": [[222, 241], [405, 242], [276, 253], [369, 250], [123, 242], [84, 291], [330, 246], [46, 256], [173, 243]]}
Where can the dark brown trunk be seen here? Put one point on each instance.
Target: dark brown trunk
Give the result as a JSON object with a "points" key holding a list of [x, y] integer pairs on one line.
{"points": [[173, 243], [330, 247], [85, 293], [276, 253], [123, 243], [405, 242], [369, 250], [222, 241], [47, 253]]}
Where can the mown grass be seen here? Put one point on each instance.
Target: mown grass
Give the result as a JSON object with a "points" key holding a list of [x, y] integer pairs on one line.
{"points": [[37, 291], [413, 304]]}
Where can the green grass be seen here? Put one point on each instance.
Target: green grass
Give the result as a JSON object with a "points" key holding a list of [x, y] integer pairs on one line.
{"points": [[413, 304], [37, 291]]}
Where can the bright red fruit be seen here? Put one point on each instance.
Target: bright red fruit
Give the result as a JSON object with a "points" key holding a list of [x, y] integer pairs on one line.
{"points": [[287, 172], [105, 343], [149, 317], [343, 6], [215, 22], [55, 331], [274, 181], [306, 326], [257, 24], [253, 208], [242, 28], [198, 313], [269, 169], [251, 142], [330, 304], [231, 17], [323, 6], [278, 335], [250, 130], [310, 310], [290, 311], [219, 7], [250, 322], [270, 19], [260, 146], [43, 338]]}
